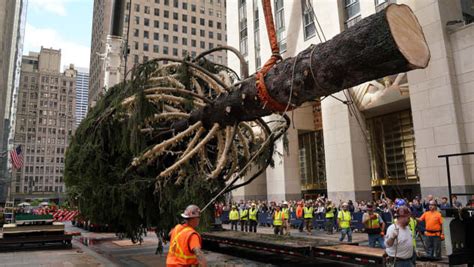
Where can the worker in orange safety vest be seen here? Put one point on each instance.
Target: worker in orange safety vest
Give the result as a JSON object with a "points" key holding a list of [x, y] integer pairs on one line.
{"points": [[185, 241]]}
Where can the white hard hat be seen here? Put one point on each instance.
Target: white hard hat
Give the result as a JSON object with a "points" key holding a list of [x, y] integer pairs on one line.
{"points": [[191, 211], [285, 202]]}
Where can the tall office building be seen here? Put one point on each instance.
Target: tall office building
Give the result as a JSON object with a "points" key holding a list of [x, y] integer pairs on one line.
{"points": [[389, 138], [45, 124], [12, 28], [82, 94], [171, 28]]}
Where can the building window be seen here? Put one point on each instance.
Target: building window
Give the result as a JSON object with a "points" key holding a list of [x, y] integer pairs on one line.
{"points": [[256, 33], [203, 44], [185, 5], [392, 149], [193, 8], [202, 33], [137, 8], [146, 35], [185, 41], [467, 7], [165, 50], [156, 23], [193, 20], [175, 39], [193, 31], [184, 18], [146, 22], [352, 10], [136, 33], [202, 22], [243, 27], [157, 12], [176, 3], [166, 14], [175, 27], [166, 25], [308, 19], [156, 36], [184, 29], [280, 24], [156, 48], [136, 45], [147, 10], [175, 52], [167, 2], [193, 43], [145, 47], [211, 35], [219, 25], [165, 38], [210, 23], [175, 16], [202, 10], [137, 20], [312, 160]]}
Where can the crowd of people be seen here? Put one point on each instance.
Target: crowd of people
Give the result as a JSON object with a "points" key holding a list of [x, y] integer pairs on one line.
{"points": [[403, 217]]}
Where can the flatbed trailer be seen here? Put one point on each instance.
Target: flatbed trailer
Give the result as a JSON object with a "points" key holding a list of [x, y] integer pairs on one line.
{"points": [[33, 236], [297, 246]]}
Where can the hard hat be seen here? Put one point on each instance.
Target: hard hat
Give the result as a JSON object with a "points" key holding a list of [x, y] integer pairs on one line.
{"points": [[403, 211], [400, 202], [234, 207], [344, 204], [285, 202], [253, 204], [191, 211]]}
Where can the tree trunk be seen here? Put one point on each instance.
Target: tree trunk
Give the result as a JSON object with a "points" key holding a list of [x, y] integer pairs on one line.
{"points": [[385, 43]]}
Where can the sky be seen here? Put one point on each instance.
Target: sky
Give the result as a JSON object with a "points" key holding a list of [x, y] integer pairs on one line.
{"points": [[60, 24]]}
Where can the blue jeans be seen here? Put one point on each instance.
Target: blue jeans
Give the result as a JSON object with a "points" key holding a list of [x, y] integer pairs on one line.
{"points": [[433, 247], [345, 231], [374, 238], [404, 263]]}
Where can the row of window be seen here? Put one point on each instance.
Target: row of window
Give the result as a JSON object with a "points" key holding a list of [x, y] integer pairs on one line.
{"points": [[156, 23], [184, 6], [27, 189], [184, 52], [39, 179], [41, 169], [31, 159], [42, 149], [184, 29]]}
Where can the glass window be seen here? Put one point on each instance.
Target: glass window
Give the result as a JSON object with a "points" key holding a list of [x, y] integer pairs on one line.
{"points": [[202, 33], [157, 12], [243, 27], [309, 26], [184, 29], [156, 36], [145, 47], [175, 52], [193, 43], [193, 8], [166, 14], [156, 49], [184, 17], [280, 24]]}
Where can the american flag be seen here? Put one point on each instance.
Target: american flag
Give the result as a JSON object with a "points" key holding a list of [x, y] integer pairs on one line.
{"points": [[17, 157]]}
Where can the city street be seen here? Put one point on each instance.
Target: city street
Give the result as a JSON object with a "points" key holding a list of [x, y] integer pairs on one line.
{"points": [[105, 249]]}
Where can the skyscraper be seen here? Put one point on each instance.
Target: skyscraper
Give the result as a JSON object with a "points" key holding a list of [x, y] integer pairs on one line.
{"points": [[12, 28], [45, 123], [82, 94], [170, 28]]}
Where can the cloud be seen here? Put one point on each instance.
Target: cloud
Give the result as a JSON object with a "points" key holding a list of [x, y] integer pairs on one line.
{"points": [[71, 52], [56, 7]]}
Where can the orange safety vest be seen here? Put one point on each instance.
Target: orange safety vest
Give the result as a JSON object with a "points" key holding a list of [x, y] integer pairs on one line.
{"points": [[179, 253]]}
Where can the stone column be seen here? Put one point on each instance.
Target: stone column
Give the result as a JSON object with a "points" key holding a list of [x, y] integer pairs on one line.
{"points": [[347, 157]]}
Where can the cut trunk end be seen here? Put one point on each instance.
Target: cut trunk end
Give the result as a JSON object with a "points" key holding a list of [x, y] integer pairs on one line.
{"points": [[408, 35]]}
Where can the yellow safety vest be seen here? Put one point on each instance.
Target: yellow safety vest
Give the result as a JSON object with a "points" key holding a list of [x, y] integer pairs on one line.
{"points": [[330, 214], [286, 212], [277, 221], [234, 215], [308, 212], [344, 218], [245, 215], [253, 214]]}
